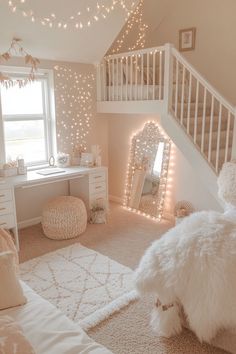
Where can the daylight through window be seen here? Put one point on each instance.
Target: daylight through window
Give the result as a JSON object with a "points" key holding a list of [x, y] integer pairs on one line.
{"points": [[26, 122]]}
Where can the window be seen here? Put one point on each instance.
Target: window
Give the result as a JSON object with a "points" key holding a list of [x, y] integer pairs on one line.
{"points": [[27, 122]]}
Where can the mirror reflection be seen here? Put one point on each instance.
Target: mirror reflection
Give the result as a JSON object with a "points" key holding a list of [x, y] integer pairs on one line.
{"points": [[147, 175]]}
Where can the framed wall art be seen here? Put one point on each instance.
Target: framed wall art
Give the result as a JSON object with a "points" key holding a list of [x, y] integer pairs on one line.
{"points": [[187, 39]]}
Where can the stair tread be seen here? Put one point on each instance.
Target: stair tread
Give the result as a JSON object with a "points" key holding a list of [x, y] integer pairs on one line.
{"points": [[215, 134], [216, 117]]}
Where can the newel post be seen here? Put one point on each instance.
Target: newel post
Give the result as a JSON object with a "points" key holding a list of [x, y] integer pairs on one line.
{"points": [[168, 76], [233, 154]]}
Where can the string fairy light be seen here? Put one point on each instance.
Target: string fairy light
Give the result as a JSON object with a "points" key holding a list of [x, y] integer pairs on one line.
{"points": [[135, 20], [139, 147], [170, 182], [92, 12], [74, 93]]}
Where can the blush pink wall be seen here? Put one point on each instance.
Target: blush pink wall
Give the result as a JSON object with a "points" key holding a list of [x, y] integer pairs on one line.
{"points": [[182, 185], [97, 133], [66, 75], [215, 52]]}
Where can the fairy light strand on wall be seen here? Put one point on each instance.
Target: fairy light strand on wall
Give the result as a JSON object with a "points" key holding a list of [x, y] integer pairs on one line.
{"points": [[134, 21], [79, 19], [74, 92]]}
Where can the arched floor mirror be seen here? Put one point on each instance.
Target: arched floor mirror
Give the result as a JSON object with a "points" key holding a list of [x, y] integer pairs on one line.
{"points": [[147, 171]]}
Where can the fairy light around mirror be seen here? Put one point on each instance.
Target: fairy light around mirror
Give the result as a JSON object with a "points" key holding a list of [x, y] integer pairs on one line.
{"points": [[141, 146], [84, 15], [74, 93]]}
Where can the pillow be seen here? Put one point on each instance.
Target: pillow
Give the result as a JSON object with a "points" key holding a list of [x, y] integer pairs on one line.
{"points": [[7, 244], [11, 293], [12, 338]]}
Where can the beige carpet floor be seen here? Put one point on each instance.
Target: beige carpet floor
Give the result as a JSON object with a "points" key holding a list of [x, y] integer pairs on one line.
{"points": [[124, 239]]}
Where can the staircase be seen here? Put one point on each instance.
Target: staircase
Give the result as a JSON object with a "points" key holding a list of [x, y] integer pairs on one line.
{"points": [[205, 116], [196, 116]]}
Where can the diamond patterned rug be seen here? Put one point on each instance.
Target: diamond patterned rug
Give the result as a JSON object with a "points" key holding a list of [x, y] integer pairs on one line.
{"points": [[85, 285]]}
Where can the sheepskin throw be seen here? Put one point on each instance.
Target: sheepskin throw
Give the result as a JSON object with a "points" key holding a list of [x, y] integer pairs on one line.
{"points": [[227, 184], [193, 266], [192, 269]]}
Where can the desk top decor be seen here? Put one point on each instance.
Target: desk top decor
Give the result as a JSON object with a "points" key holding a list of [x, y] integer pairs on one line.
{"points": [[9, 169], [183, 208]]}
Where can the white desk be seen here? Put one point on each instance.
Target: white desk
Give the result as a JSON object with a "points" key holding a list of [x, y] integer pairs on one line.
{"points": [[90, 184]]}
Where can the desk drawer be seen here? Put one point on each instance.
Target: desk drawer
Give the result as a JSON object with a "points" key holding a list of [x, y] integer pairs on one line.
{"points": [[98, 199], [97, 177], [7, 221], [6, 208], [5, 195], [97, 187]]}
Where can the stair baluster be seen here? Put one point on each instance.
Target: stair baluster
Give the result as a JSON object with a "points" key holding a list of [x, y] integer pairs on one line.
{"points": [[163, 74]]}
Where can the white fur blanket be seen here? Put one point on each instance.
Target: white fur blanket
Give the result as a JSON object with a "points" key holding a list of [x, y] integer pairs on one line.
{"points": [[194, 266]]}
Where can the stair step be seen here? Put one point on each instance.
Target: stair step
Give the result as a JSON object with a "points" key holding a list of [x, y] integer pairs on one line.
{"points": [[214, 136], [221, 157], [193, 109], [207, 124]]}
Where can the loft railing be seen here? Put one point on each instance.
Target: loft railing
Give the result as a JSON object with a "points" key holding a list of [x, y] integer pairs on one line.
{"points": [[163, 74], [132, 76]]}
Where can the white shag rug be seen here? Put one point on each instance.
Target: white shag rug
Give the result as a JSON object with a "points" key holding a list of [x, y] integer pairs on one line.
{"points": [[85, 285]]}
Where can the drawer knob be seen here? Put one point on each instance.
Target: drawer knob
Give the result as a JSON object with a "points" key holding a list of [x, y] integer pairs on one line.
{"points": [[2, 195], [98, 187], [2, 209], [3, 223], [98, 177]]}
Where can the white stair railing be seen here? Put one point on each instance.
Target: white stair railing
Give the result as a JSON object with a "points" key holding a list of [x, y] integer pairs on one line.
{"points": [[206, 116], [163, 74]]}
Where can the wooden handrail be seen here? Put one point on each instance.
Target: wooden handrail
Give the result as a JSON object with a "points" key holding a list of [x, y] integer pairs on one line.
{"points": [[135, 52]]}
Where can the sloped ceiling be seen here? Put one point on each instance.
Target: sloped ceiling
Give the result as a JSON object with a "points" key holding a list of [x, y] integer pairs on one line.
{"points": [[87, 45], [154, 12]]}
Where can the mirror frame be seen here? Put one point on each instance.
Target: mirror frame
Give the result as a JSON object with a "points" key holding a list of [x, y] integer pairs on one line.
{"points": [[144, 140]]}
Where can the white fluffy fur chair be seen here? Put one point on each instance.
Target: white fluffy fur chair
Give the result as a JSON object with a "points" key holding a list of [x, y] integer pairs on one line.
{"points": [[192, 269]]}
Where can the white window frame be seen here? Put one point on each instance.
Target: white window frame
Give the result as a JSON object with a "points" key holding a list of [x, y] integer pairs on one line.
{"points": [[48, 116]]}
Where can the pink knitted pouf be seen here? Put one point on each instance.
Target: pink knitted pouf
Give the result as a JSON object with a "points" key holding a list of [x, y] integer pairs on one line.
{"points": [[64, 218]]}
